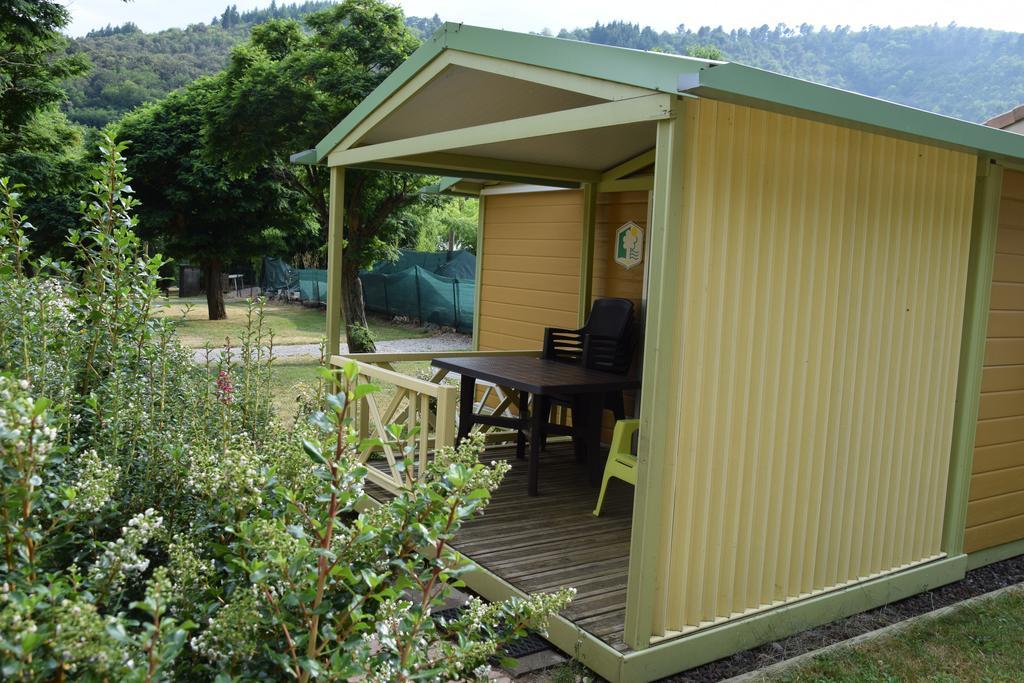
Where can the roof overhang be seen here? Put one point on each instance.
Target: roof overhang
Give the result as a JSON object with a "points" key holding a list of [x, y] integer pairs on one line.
{"points": [[500, 106], [771, 91]]}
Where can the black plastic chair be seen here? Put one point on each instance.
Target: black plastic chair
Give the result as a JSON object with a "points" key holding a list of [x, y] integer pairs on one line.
{"points": [[606, 343]]}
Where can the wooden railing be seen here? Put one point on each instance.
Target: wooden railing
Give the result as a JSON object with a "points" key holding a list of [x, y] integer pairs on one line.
{"points": [[427, 408]]}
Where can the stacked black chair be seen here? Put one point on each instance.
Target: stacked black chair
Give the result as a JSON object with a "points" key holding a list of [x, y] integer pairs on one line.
{"points": [[607, 343]]}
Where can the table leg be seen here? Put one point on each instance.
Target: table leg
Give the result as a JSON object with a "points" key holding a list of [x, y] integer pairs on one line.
{"points": [[536, 424], [593, 405], [467, 394], [579, 428], [524, 410]]}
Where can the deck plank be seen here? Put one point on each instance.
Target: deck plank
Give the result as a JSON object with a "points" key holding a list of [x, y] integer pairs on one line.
{"points": [[539, 544]]}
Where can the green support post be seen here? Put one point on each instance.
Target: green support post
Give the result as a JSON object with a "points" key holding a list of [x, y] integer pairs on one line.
{"points": [[668, 241], [984, 226], [335, 245], [478, 285], [587, 236]]}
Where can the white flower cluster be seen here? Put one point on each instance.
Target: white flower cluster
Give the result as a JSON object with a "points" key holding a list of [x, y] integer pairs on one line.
{"points": [[238, 475], [18, 434], [122, 557], [58, 305], [95, 483]]}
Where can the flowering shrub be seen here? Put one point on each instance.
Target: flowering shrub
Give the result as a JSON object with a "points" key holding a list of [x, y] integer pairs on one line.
{"points": [[159, 524]]}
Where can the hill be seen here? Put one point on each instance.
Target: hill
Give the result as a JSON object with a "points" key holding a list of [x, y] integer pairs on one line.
{"points": [[969, 73], [130, 67]]}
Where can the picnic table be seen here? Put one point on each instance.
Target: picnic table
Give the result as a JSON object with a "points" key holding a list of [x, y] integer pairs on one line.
{"points": [[539, 377]]}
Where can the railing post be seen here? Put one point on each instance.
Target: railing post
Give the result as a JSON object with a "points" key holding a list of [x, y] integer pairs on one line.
{"points": [[444, 434]]}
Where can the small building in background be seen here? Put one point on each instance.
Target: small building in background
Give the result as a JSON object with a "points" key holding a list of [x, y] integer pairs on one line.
{"points": [[1012, 120]]}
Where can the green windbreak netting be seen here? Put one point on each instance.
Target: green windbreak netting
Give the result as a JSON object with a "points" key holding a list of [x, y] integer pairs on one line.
{"points": [[313, 285], [414, 291]]}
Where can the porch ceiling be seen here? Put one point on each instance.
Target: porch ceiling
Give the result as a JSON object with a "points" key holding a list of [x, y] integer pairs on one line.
{"points": [[459, 97]]}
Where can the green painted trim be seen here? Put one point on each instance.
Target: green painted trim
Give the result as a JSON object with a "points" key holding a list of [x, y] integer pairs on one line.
{"points": [[638, 109], [640, 184], [765, 89], [478, 287], [984, 227], [651, 70], [481, 168], [668, 239], [587, 236], [306, 157], [633, 165], [685, 652], [996, 554], [335, 244]]}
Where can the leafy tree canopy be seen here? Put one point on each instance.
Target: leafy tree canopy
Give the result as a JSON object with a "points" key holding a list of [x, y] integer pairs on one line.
{"points": [[31, 72], [314, 79], [190, 204]]}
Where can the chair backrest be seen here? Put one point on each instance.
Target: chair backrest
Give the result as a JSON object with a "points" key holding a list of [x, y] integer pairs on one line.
{"points": [[610, 318], [606, 342]]}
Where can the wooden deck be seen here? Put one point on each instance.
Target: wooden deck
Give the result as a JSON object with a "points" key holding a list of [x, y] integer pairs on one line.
{"points": [[539, 544]]}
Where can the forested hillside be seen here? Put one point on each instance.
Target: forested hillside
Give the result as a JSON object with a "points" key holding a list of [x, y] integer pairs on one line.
{"points": [[965, 72], [130, 67]]}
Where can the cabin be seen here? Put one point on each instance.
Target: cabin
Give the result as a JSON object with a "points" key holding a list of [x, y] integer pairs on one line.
{"points": [[831, 373]]}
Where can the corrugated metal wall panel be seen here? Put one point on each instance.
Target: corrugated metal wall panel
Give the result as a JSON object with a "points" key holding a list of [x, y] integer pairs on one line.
{"points": [[995, 511], [819, 330]]}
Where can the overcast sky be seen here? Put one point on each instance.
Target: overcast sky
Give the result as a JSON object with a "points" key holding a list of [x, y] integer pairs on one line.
{"points": [[534, 15]]}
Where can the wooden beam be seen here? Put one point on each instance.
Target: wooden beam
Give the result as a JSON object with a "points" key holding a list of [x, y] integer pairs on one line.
{"points": [[587, 236], [639, 184], [484, 168], [668, 235], [633, 165], [647, 108], [335, 242]]}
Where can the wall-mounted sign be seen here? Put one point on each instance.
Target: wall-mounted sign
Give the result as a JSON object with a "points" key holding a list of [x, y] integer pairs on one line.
{"points": [[629, 245]]}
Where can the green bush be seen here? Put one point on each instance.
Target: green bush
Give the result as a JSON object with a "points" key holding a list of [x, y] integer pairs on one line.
{"points": [[159, 524]]}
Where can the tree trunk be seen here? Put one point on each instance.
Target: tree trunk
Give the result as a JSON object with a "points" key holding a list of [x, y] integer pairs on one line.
{"points": [[353, 310], [214, 293]]}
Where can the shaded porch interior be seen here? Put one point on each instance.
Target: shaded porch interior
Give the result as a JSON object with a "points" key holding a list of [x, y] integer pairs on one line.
{"points": [[541, 544]]}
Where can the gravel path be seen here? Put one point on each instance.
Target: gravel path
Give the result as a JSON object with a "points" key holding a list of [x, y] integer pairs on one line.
{"points": [[448, 341]]}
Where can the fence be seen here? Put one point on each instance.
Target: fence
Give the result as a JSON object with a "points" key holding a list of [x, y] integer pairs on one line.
{"points": [[407, 287]]}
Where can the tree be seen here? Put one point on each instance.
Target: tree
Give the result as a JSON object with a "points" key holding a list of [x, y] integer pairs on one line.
{"points": [[39, 147], [285, 90], [31, 72], [191, 204], [446, 225]]}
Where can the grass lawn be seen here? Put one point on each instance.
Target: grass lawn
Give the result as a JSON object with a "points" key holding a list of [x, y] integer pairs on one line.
{"points": [[979, 642], [291, 323]]}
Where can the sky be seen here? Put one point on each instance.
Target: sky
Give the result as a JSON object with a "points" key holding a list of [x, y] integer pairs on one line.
{"points": [[535, 15]]}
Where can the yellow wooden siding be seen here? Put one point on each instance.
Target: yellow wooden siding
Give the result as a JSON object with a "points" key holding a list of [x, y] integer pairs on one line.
{"points": [[531, 264], [820, 300], [610, 279], [995, 513], [613, 210]]}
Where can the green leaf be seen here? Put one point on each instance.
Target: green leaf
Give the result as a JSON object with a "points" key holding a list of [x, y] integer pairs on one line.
{"points": [[314, 452]]}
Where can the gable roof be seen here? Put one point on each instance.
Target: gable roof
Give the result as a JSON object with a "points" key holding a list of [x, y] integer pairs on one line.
{"points": [[660, 72]]}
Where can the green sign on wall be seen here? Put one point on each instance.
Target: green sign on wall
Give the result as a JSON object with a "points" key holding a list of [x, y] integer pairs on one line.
{"points": [[629, 245]]}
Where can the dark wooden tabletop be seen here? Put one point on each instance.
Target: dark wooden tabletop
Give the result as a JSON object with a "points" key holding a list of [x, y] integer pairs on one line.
{"points": [[537, 375]]}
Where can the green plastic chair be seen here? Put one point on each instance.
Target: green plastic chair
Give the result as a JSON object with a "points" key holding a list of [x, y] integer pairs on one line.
{"points": [[621, 462]]}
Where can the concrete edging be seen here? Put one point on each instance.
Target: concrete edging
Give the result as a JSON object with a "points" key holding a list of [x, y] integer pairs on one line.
{"points": [[885, 631]]}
